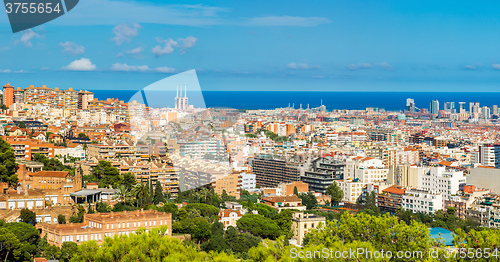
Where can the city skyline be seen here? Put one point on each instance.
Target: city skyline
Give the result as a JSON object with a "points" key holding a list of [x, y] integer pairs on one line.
{"points": [[422, 46]]}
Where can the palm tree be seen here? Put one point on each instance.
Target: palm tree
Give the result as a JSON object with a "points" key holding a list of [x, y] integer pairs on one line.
{"points": [[204, 194], [123, 194], [140, 193]]}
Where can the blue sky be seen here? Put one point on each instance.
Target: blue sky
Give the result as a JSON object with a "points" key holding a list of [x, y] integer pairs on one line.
{"points": [[262, 45]]}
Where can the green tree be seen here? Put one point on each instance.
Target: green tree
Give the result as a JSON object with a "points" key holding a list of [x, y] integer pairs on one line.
{"points": [[68, 250], [158, 197], [295, 191], [335, 192], [141, 192], [284, 221], [265, 210], [83, 135], [22, 124], [151, 246], [259, 225], [28, 237], [102, 207], [371, 204], [309, 200], [106, 174], [170, 208], [61, 219], [77, 217], [8, 166], [27, 216], [10, 246], [123, 194]]}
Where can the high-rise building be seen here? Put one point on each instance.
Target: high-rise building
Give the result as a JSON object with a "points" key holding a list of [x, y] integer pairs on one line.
{"points": [[435, 107], [461, 107], [485, 112], [410, 105], [84, 97], [449, 106], [272, 170], [8, 95], [494, 110], [18, 96], [474, 109]]}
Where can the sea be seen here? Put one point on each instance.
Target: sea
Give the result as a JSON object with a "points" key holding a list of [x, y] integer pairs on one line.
{"points": [[390, 101]]}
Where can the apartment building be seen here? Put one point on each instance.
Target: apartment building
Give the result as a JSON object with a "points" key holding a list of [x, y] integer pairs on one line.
{"points": [[423, 201], [442, 181], [154, 171], [391, 198], [8, 95], [322, 173], [25, 148], [248, 181], [352, 189], [272, 170], [392, 156], [117, 150], [406, 175], [303, 223], [101, 225], [198, 149], [365, 169], [230, 183], [84, 97]]}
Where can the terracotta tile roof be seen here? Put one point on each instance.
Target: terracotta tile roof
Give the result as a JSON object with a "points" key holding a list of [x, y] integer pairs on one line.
{"points": [[292, 198], [227, 212], [395, 190], [51, 173]]}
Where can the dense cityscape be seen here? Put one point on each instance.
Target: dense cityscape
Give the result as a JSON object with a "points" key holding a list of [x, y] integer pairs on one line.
{"points": [[81, 174]]}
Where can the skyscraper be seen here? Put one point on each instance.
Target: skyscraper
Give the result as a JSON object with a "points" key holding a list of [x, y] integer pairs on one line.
{"points": [[474, 109], [461, 107], [8, 95], [410, 105], [435, 107], [449, 106]]}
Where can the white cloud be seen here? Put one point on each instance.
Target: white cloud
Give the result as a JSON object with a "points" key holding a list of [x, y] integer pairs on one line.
{"points": [[186, 43], [5, 71], [385, 66], [287, 21], [165, 69], [27, 36], [83, 64], [167, 46], [359, 66], [473, 66], [72, 48], [496, 66], [129, 68], [136, 52], [301, 66], [4, 48], [124, 33]]}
